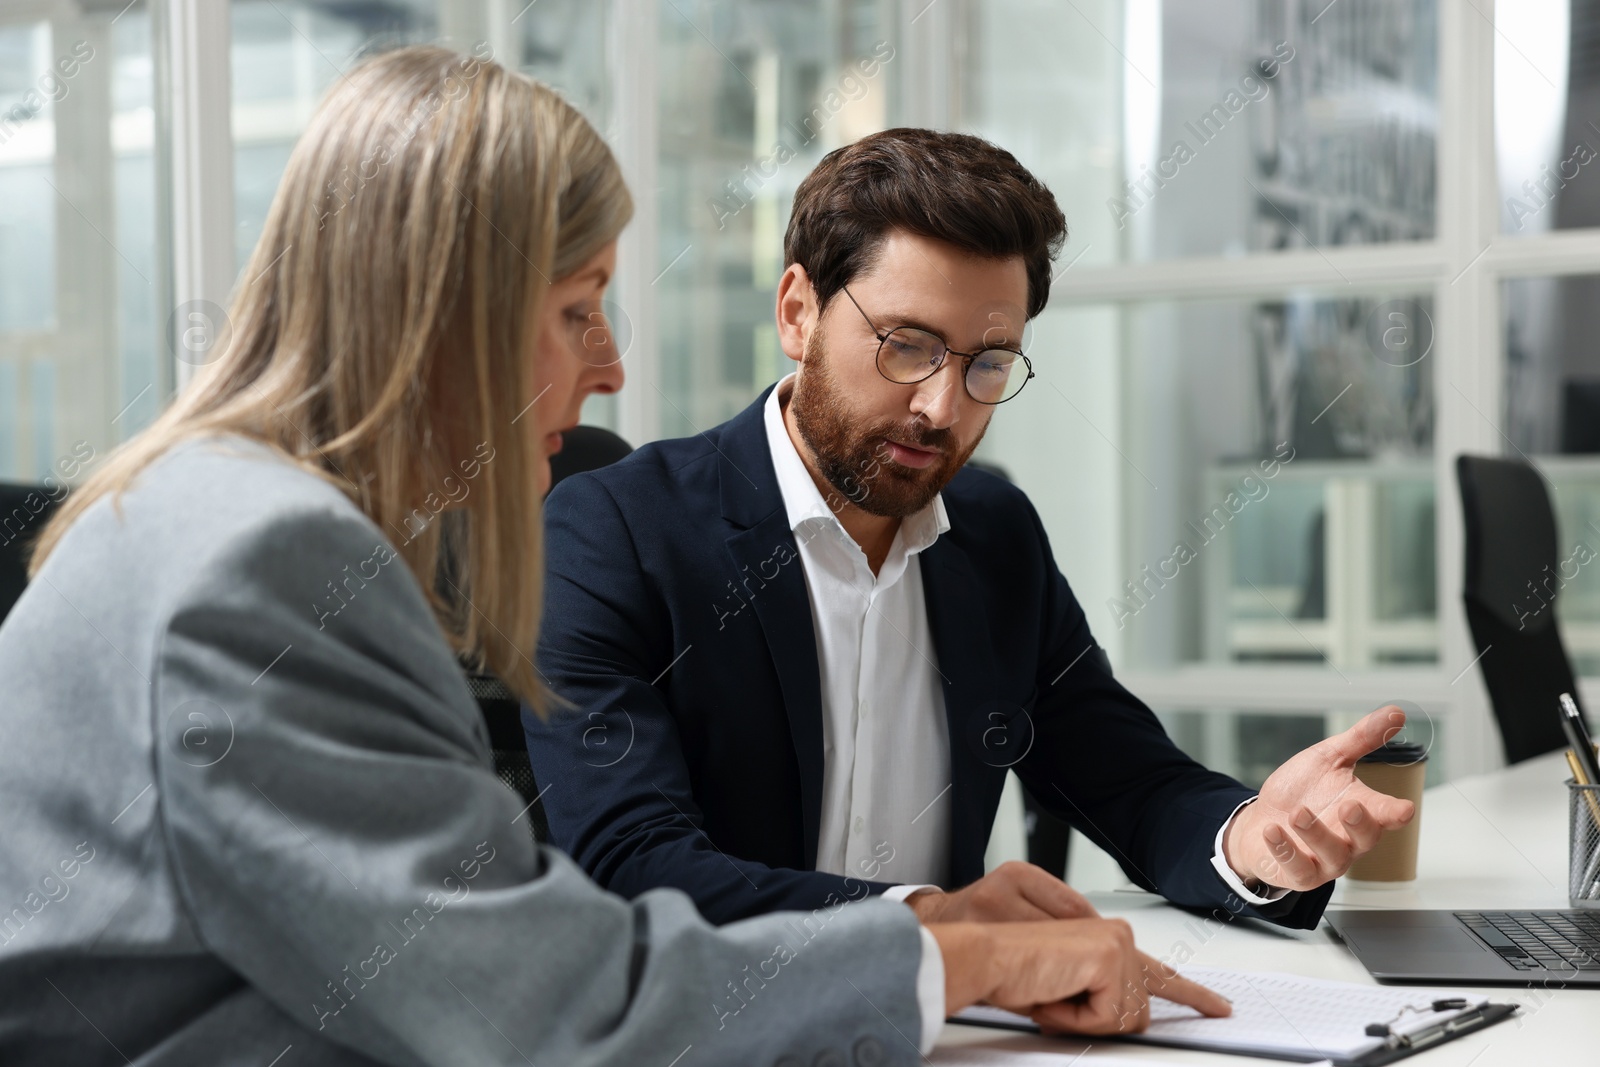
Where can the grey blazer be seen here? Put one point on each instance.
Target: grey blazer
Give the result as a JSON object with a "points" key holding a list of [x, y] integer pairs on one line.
{"points": [[250, 818]]}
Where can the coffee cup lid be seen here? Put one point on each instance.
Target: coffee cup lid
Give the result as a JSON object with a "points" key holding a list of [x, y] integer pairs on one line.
{"points": [[1398, 752]]}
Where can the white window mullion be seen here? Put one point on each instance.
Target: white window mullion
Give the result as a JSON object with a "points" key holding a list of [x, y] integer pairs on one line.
{"points": [[1556, 252], [635, 132], [1467, 371], [927, 59], [87, 269], [194, 38], [1351, 270]]}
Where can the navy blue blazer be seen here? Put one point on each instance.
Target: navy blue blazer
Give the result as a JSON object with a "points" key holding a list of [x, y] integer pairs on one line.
{"points": [[677, 624]]}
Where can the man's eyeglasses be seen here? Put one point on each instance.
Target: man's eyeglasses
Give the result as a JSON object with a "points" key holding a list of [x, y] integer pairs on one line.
{"points": [[907, 355]]}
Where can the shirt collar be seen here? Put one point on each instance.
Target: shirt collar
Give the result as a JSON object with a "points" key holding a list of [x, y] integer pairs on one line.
{"points": [[803, 503]]}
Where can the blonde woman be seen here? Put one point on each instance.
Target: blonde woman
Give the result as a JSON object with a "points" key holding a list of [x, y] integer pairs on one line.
{"points": [[250, 811]]}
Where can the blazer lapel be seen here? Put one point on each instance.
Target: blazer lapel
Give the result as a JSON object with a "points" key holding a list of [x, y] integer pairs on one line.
{"points": [[987, 735], [772, 582]]}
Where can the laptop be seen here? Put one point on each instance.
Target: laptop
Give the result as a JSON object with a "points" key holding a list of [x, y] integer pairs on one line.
{"points": [[1546, 948]]}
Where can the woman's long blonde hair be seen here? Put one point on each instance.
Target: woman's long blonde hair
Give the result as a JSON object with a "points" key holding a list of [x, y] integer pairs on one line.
{"points": [[384, 329]]}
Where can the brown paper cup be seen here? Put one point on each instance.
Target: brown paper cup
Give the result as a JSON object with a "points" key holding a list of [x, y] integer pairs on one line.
{"points": [[1397, 770]]}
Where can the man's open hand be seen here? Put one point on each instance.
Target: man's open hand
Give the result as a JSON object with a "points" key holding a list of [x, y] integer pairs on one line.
{"points": [[1012, 892], [1313, 818]]}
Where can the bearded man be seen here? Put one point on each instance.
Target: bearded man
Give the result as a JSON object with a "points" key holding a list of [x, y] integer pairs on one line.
{"points": [[804, 647]]}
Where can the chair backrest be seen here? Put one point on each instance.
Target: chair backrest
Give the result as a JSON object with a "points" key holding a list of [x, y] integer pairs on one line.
{"points": [[24, 509], [586, 448], [583, 448], [1512, 581], [502, 713]]}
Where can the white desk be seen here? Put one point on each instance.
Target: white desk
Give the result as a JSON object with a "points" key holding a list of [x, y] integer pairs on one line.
{"points": [[1494, 841]]}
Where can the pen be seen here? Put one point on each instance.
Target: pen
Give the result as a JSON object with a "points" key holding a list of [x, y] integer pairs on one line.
{"points": [[1578, 737], [1581, 776]]}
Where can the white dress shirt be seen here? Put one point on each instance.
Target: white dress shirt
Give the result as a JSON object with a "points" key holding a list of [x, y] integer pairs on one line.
{"points": [[885, 742], [885, 750]]}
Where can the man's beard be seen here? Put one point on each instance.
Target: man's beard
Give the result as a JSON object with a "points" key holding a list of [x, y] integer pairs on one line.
{"points": [[855, 459]]}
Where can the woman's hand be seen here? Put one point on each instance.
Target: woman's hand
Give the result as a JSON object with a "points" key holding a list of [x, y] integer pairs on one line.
{"points": [[1073, 975]]}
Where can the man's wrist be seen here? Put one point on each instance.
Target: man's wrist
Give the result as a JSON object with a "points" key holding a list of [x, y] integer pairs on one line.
{"points": [[906, 892], [925, 900], [1228, 838], [1249, 887]]}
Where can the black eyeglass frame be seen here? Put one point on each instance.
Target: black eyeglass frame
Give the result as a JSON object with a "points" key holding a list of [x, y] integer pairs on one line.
{"points": [[970, 357]]}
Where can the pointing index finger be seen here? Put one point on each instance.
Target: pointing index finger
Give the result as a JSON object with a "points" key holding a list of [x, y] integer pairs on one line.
{"points": [[1168, 984]]}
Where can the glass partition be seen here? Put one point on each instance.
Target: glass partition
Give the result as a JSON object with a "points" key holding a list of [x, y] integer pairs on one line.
{"points": [[1213, 127], [1546, 92], [752, 96], [1552, 399], [83, 362], [1250, 745], [287, 52], [1238, 481]]}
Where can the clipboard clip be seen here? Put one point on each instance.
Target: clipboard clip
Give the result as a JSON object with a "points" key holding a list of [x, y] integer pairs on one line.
{"points": [[1443, 1030], [1383, 1029]]}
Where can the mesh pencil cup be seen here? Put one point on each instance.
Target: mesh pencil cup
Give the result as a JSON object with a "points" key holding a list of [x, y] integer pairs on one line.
{"points": [[1583, 859]]}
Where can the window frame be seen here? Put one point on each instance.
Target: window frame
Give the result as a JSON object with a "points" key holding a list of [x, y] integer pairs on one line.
{"points": [[1463, 266]]}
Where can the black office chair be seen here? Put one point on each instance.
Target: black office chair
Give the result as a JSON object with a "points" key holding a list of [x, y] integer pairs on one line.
{"points": [[502, 713], [586, 448], [24, 509], [583, 448], [1510, 540], [1049, 837]]}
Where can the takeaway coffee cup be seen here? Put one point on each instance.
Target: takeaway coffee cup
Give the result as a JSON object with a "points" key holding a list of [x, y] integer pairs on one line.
{"points": [[1397, 769]]}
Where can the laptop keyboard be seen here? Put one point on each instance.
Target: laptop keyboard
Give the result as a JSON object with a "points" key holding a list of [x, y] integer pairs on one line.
{"points": [[1538, 940]]}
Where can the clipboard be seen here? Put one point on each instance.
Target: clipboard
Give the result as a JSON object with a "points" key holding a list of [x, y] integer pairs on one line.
{"points": [[1305, 1020]]}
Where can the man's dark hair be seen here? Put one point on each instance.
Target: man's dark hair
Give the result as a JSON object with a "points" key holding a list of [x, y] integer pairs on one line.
{"points": [[952, 187]]}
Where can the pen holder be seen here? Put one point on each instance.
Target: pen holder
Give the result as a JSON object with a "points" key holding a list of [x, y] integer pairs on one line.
{"points": [[1583, 870]]}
